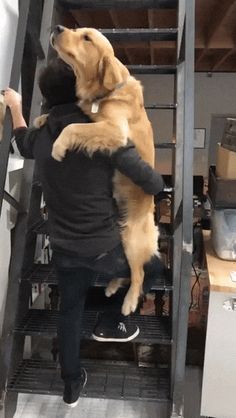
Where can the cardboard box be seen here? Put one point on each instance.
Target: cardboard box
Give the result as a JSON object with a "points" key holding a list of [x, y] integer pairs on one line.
{"points": [[225, 163], [229, 137]]}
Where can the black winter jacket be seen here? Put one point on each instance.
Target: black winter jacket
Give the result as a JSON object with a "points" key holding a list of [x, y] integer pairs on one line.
{"points": [[78, 191]]}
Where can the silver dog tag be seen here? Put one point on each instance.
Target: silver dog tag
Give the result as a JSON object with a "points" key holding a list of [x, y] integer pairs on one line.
{"points": [[95, 107]]}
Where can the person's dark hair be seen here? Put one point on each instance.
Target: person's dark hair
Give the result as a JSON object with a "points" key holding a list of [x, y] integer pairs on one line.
{"points": [[57, 84]]}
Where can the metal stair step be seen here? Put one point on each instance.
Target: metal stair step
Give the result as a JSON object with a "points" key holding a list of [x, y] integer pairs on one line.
{"points": [[152, 69], [45, 273], [153, 330], [165, 145], [140, 34], [162, 106], [106, 379], [119, 4]]}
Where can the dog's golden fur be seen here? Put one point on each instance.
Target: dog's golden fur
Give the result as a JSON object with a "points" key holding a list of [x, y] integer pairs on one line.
{"points": [[114, 101]]}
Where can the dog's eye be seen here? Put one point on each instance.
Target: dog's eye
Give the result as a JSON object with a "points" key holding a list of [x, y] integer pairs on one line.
{"points": [[87, 38], [70, 55]]}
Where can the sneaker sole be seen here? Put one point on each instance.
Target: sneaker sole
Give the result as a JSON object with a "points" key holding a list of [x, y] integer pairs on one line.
{"points": [[74, 404], [118, 340]]}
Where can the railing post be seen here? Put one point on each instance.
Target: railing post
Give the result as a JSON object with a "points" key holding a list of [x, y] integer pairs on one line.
{"points": [[185, 83], [14, 83]]}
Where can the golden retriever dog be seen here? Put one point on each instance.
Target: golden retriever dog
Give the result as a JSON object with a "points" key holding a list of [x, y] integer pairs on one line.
{"points": [[113, 99]]}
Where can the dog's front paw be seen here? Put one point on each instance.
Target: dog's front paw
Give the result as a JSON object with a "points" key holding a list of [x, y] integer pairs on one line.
{"points": [[58, 151], [40, 121], [130, 302]]}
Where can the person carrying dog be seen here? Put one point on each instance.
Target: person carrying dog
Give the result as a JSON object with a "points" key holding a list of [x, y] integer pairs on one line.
{"points": [[82, 215]]}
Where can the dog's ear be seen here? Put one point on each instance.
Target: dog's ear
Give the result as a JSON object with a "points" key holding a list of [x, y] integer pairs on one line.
{"points": [[110, 72]]}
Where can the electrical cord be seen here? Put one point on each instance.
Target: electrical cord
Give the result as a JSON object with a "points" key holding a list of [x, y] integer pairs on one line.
{"points": [[197, 282]]}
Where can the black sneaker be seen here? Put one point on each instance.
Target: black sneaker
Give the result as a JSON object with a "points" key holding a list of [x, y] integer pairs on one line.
{"points": [[72, 390], [114, 329]]}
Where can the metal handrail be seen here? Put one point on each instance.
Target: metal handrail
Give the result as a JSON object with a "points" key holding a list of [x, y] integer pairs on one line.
{"points": [[14, 83], [17, 298]]}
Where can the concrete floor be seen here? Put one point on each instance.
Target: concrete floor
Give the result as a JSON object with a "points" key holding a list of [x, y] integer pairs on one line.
{"points": [[45, 406]]}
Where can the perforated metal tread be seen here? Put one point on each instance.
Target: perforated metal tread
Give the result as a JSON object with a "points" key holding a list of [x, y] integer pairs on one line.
{"points": [[44, 273], [106, 379], [153, 330], [118, 4]]}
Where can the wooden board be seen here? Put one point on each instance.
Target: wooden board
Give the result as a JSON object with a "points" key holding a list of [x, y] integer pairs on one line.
{"points": [[218, 270]]}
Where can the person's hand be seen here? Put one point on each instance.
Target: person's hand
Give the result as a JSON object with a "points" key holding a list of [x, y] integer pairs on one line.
{"points": [[12, 98]]}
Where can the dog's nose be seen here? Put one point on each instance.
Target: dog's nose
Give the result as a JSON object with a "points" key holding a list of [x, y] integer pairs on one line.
{"points": [[58, 29]]}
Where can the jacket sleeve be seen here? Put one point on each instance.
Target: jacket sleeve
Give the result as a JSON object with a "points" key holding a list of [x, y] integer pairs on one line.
{"points": [[129, 163], [25, 140]]}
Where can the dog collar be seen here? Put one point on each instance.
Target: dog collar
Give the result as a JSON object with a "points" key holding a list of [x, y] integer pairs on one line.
{"points": [[97, 100]]}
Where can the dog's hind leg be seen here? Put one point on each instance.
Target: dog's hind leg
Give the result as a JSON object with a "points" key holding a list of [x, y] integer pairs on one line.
{"points": [[139, 238], [114, 285]]}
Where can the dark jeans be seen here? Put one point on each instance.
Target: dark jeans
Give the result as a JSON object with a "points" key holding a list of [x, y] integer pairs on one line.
{"points": [[75, 276]]}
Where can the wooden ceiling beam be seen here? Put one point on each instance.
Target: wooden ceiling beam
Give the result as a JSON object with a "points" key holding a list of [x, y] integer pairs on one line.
{"points": [[68, 20], [215, 39], [221, 61], [116, 24], [83, 18], [201, 56], [205, 51], [222, 10]]}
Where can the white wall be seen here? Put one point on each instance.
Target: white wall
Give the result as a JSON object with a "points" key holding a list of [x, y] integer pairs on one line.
{"points": [[9, 17], [213, 96]]}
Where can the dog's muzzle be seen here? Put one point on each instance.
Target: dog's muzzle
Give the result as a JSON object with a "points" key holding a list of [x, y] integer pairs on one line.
{"points": [[57, 31]]}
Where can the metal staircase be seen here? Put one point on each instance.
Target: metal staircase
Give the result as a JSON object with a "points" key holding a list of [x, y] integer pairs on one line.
{"points": [[123, 379]]}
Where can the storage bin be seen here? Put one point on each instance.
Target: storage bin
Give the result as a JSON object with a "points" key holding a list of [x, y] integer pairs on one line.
{"points": [[221, 192], [223, 233]]}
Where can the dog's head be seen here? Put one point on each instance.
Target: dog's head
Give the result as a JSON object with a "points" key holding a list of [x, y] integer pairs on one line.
{"points": [[91, 56]]}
